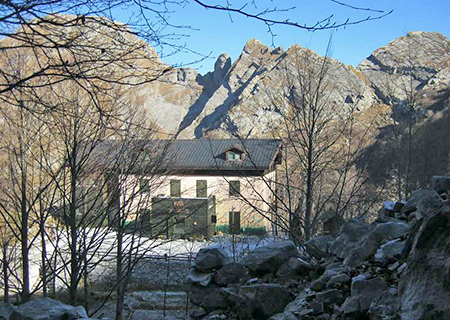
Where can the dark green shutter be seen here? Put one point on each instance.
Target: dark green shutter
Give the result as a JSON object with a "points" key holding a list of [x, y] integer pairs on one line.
{"points": [[202, 188], [144, 186], [235, 188], [175, 188]]}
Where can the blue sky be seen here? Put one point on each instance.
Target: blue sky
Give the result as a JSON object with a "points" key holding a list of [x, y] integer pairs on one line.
{"points": [[215, 32]]}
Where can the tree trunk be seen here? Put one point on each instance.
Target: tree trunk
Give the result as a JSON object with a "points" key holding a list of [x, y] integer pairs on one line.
{"points": [[5, 273], [43, 258], [119, 271], [309, 191], [74, 259], [24, 232]]}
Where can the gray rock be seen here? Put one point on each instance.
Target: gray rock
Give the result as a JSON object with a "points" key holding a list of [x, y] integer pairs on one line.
{"points": [[330, 296], [258, 301], [209, 298], [210, 258], [440, 183], [299, 265], [390, 249], [351, 234], [294, 269], [200, 278], [363, 292], [424, 288], [334, 266], [387, 210], [318, 284], [47, 309], [398, 206], [285, 273], [317, 307], [428, 197], [198, 314], [338, 280], [233, 272], [389, 230], [318, 247], [368, 247], [270, 257], [6, 310], [385, 307], [284, 316]]}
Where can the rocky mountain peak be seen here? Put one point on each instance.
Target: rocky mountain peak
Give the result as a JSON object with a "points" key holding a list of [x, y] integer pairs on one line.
{"points": [[221, 67], [406, 64], [255, 47]]}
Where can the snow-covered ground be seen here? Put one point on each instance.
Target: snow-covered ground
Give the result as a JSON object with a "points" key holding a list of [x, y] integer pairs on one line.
{"points": [[102, 251]]}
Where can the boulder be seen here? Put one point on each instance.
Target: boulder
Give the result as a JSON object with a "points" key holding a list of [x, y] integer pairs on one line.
{"points": [[387, 210], [390, 249], [424, 286], [330, 296], [318, 247], [351, 234], [441, 184], [6, 309], [320, 283], [363, 292], [299, 265], [200, 278], [210, 258], [389, 230], [258, 301], [384, 307], [368, 247], [269, 258], [233, 272], [294, 269], [209, 298], [47, 309], [338, 281], [398, 206], [284, 316], [428, 197]]}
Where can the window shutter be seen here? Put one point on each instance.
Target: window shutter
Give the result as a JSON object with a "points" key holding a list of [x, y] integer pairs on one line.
{"points": [[202, 188], [175, 188], [144, 186], [235, 188]]}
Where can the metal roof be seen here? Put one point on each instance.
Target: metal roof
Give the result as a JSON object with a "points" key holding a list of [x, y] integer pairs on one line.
{"points": [[210, 154], [207, 155]]}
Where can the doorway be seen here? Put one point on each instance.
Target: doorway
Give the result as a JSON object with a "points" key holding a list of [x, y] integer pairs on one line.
{"points": [[235, 222]]}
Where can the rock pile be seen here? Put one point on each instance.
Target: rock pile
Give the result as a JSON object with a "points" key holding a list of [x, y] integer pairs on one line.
{"points": [[251, 288], [394, 268]]}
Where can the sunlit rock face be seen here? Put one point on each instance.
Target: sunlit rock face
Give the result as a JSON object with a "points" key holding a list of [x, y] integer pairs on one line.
{"points": [[235, 96]]}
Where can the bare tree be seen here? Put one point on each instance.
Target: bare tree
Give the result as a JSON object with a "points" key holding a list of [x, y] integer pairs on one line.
{"points": [[319, 175], [58, 46]]}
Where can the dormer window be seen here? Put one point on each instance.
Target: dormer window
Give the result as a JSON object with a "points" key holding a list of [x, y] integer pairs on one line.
{"points": [[234, 154]]}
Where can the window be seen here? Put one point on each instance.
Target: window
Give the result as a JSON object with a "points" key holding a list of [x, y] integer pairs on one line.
{"points": [[202, 188], [235, 187], [144, 186], [234, 156], [175, 188]]}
